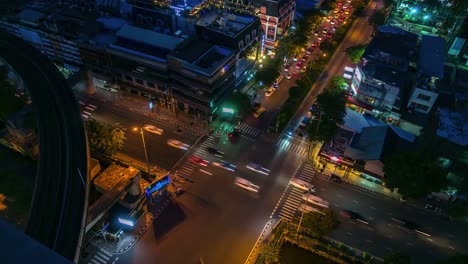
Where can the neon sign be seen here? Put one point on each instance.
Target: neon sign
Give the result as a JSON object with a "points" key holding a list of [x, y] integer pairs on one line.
{"points": [[158, 185], [177, 9]]}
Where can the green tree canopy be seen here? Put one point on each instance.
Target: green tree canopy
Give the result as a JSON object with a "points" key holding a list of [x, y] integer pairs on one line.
{"points": [[355, 52], [9, 103], [387, 3], [104, 139], [239, 102], [414, 174], [319, 224], [398, 258], [270, 71], [377, 19], [332, 110], [269, 253]]}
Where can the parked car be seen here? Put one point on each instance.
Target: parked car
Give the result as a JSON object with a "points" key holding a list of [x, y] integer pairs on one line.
{"points": [[289, 76], [270, 91], [259, 112]]}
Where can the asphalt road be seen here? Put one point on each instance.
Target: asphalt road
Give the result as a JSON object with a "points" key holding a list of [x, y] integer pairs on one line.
{"points": [[215, 219], [159, 153], [381, 235]]}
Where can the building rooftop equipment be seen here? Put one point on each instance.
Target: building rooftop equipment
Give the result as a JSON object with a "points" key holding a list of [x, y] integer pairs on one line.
{"points": [[148, 37]]}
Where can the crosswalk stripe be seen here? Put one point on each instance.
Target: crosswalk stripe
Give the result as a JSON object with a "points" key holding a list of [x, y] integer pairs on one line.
{"points": [[105, 252], [297, 190], [242, 126], [303, 152], [288, 210], [256, 133], [286, 216], [105, 257], [289, 206], [101, 259], [93, 261]]}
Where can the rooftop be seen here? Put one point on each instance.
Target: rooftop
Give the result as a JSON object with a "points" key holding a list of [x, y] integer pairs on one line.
{"points": [[389, 75], [31, 15], [453, 126], [392, 46], [112, 175], [431, 56], [148, 37], [226, 23]]}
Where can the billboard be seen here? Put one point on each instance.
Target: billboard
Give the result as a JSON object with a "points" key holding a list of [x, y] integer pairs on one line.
{"points": [[157, 185]]}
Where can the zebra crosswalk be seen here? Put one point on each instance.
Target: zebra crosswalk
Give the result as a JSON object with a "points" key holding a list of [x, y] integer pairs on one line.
{"points": [[294, 199], [247, 129], [287, 145], [201, 151], [101, 257]]}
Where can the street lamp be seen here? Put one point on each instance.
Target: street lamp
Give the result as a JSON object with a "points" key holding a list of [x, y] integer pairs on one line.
{"points": [[144, 145]]}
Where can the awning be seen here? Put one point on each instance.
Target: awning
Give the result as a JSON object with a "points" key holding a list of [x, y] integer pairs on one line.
{"points": [[359, 104]]}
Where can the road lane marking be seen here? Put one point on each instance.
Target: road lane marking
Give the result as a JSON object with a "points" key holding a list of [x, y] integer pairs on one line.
{"points": [[429, 239], [369, 241], [422, 233], [387, 248], [372, 207], [322, 189], [105, 252], [355, 201], [452, 248], [207, 172], [339, 195], [409, 244], [349, 233], [390, 225], [371, 218], [371, 229], [389, 236], [337, 205]]}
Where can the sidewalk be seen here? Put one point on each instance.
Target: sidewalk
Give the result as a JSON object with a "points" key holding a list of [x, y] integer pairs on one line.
{"points": [[351, 177], [264, 236], [140, 105]]}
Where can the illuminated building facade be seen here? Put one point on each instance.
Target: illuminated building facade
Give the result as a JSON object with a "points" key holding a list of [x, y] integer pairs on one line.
{"points": [[276, 17]]}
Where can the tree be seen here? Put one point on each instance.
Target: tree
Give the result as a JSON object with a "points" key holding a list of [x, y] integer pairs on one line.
{"points": [[239, 102], [319, 224], [268, 74], [355, 52], [332, 110], [359, 6], [269, 253], [104, 139], [387, 3], [455, 259], [9, 103], [377, 19], [414, 174], [398, 258]]}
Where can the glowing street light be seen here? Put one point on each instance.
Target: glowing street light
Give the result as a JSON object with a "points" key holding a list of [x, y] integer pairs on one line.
{"points": [[426, 17], [414, 10], [144, 145]]}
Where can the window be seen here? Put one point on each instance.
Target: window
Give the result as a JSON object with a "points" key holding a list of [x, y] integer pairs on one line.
{"points": [[139, 81], [128, 78], [424, 97], [150, 84], [422, 107]]}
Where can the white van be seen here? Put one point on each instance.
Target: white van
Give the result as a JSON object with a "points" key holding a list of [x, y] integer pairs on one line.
{"points": [[315, 200]]}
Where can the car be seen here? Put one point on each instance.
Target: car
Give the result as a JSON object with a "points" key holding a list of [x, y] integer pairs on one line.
{"points": [[333, 21], [256, 105], [315, 44], [329, 35], [301, 184], [234, 133], [336, 178], [224, 165], [309, 51], [270, 91], [199, 161], [304, 58], [325, 30], [341, 19], [289, 76], [328, 19], [259, 112], [257, 168], [336, 16], [309, 209], [350, 214], [246, 184], [336, 10], [286, 69], [295, 58], [347, 12], [315, 200], [304, 68], [153, 129], [177, 144], [320, 38], [316, 32], [214, 152]]}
